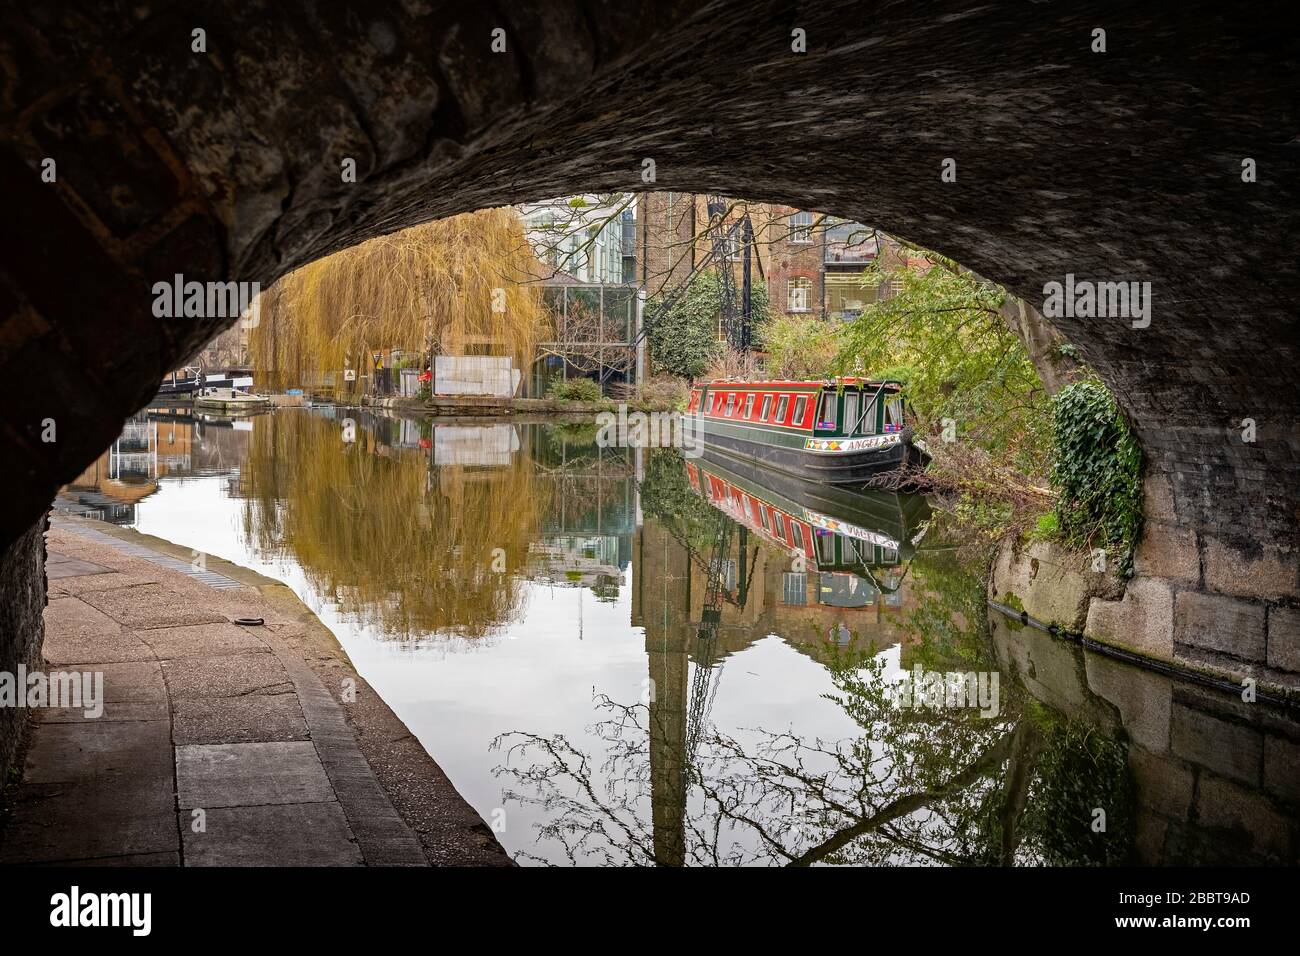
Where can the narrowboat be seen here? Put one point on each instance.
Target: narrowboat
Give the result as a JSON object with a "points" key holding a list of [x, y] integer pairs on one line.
{"points": [[850, 431]]}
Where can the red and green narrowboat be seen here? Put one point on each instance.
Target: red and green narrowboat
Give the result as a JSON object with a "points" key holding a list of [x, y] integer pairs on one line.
{"points": [[849, 431]]}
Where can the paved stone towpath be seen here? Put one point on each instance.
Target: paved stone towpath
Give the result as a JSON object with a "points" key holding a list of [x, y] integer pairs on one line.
{"points": [[219, 744]]}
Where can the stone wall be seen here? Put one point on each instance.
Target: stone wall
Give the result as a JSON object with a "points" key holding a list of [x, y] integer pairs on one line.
{"points": [[22, 599], [1194, 599]]}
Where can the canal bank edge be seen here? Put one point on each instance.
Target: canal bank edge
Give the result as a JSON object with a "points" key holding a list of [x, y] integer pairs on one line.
{"points": [[1180, 608], [450, 831], [468, 406]]}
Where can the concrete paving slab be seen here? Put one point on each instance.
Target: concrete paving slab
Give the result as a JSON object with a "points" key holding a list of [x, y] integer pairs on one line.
{"points": [[111, 817], [253, 718], [112, 711], [76, 633], [133, 681], [301, 834], [231, 676], [244, 775], [66, 567], [149, 606], [202, 640], [135, 859], [94, 750], [107, 581]]}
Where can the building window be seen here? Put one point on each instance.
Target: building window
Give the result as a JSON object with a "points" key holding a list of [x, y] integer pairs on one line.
{"points": [[735, 244], [801, 224], [799, 294], [794, 589]]}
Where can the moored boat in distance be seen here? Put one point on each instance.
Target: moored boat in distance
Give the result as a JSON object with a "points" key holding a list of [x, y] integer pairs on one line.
{"points": [[849, 431], [229, 399]]}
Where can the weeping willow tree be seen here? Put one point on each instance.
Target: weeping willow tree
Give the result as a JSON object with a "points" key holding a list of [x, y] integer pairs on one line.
{"points": [[433, 287], [400, 547]]}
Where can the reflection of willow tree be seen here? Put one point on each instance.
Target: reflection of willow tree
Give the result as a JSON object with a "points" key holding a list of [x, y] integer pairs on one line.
{"points": [[402, 548], [909, 785]]}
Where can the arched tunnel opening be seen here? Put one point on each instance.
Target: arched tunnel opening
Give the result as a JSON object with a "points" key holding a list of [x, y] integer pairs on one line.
{"points": [[1039, 153]]}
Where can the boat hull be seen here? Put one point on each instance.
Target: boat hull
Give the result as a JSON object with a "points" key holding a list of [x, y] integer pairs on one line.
{"points": [[231, 405], [854, 462]]}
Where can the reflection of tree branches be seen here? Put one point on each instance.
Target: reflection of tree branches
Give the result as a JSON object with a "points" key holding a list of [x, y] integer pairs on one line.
{"points": [[786, 799]]}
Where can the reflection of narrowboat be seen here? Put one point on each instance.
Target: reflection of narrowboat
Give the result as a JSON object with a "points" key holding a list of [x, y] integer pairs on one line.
{"points": [[846, 432], [843, 535]]}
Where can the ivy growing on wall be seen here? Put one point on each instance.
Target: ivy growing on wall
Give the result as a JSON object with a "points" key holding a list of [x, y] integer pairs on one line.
{"points": [[683, 333], [1098, 472]]}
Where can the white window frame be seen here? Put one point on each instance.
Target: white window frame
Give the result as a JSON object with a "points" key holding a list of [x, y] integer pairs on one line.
{"points": [[801, 227], [798, 288]]}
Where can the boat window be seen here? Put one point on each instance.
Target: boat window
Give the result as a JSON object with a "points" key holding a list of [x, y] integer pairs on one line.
{"points": [[762, 516], [782, 404], [800, 404], [826, 548], [894, 414], [731, 403], [851, 423], [826, 413], [778, 525], [798, 534], [766, 410], [749, 404], [869, 420]]}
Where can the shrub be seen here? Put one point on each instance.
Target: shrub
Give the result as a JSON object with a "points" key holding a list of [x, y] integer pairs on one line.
{"points": [[1098, 471], [575, 390], [801, 346], [664, 392]]}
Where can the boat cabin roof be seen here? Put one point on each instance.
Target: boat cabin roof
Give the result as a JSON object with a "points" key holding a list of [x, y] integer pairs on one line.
{"points": [[851, 382]]}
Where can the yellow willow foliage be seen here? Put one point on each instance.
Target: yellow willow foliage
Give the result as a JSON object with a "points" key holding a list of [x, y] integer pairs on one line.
{"points": [[446, 279], [400, 546]]}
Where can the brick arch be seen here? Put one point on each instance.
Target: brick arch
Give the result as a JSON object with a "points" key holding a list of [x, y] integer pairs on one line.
{"points": [[226, 164]]}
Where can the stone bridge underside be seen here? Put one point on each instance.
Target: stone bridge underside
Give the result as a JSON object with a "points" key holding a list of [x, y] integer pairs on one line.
{"points": [[1122, 165]]}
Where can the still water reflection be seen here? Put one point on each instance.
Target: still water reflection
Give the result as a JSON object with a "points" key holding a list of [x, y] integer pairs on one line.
{"points": [[624, 657]]}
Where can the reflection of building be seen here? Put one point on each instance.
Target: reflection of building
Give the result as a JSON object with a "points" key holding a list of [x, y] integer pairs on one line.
{"points": [[154, 444], [588, 561]]}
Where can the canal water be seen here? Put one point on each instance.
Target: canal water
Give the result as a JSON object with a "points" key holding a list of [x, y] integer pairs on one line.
{"points": [[630, 657]]}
